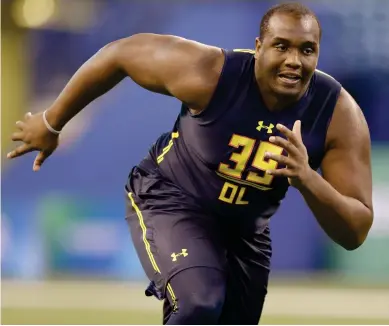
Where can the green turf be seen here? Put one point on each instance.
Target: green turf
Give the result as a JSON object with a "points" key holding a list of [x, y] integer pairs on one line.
{"points": [[110, 317]]}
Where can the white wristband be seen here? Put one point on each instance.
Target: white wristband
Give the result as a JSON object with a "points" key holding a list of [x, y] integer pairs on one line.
{"points": [[51, 129]]}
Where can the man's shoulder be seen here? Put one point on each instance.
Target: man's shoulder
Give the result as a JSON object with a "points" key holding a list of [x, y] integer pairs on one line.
{"points": [[325, 82], [325, 77]]}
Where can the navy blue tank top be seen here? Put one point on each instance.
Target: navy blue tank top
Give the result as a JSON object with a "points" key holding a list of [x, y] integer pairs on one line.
{"points": [[217, 156]]}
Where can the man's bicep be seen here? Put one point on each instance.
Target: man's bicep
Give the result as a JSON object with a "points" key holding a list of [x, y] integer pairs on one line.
{"points": [[349, 172], [347, 162], [172, 65]]}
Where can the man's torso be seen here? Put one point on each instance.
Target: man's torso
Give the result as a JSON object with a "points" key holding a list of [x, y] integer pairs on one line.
{"points": [[217, 157]]}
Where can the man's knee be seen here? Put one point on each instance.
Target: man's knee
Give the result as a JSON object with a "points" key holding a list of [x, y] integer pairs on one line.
{"points": [[201, 307], [201, 299]]}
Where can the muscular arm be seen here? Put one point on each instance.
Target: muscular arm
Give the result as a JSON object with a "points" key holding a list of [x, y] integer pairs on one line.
{"points": [[342, 200], [164, 64]]}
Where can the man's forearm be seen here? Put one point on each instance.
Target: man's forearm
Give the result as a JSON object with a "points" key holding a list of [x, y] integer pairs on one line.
{"points": [[346, 220], [93, 79]]}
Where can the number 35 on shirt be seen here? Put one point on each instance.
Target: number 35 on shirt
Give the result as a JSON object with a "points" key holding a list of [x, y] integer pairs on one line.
{"points": [[235, 168]]}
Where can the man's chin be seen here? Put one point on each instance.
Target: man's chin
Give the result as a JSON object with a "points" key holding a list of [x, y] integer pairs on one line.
{"points": [[288, 92]]}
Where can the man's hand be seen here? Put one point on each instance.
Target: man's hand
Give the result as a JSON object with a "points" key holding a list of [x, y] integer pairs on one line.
{"points": [[35, 137], [297, 168]]}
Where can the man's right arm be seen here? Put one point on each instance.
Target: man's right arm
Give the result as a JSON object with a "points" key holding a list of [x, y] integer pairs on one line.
{"points": [[164, 64]]}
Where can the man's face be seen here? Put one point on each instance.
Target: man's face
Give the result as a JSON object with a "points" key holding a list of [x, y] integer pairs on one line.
{"points": [[287, 56]]}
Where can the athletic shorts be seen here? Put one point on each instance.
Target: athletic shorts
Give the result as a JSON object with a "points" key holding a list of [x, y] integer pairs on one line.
{"points": [[172, 232]]}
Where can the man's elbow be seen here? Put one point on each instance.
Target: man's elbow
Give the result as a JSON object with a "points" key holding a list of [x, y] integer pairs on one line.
{"points": [[359, 233], [354, 244]]}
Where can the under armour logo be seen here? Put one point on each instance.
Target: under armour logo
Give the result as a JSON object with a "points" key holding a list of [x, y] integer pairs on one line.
{"points": [[184, 253], [261, 126]]}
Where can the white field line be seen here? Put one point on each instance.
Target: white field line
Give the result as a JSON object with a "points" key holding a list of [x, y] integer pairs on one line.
{"points": [[281, 300]]}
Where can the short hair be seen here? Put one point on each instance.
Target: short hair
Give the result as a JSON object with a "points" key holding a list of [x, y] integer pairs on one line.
{"points": [[295, 9]]}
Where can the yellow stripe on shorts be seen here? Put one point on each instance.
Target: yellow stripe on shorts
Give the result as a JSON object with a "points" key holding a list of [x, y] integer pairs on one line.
{"points": [[147, 244]]}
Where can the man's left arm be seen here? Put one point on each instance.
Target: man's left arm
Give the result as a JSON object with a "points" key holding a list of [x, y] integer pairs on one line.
{"points": [[341, 199]]}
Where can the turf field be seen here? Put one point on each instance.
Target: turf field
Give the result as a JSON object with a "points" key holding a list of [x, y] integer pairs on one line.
{"points": [[89, 302], [98, 317]]}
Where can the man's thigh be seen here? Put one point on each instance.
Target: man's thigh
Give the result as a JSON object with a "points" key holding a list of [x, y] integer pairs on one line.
{"points": [[170, 234], [248, 273]]}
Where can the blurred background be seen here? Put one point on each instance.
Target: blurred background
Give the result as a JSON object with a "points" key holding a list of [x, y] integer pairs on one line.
{"points": [[67, 255]]}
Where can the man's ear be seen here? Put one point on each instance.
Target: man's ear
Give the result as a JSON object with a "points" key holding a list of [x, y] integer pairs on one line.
{"points": [[258, 44]]}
